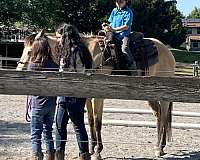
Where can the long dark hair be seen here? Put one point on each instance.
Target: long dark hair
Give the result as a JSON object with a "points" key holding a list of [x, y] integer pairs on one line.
{"points": [[40, 51], [71, 38]]}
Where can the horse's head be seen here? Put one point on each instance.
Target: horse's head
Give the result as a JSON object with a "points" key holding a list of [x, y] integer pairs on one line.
{"points": [[26, 55], [22, 64]]}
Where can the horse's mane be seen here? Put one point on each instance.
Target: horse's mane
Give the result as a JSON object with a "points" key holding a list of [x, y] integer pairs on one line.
{"points": [[30, 39]]}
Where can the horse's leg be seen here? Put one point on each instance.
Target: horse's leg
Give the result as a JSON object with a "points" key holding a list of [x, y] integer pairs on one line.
{"points": [[91, 125], [164, 127], [98, 111], [156, 111], [155, 106]]}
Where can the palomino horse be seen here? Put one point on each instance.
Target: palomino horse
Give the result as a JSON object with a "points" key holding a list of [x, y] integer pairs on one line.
{"points": [[165, 67]]}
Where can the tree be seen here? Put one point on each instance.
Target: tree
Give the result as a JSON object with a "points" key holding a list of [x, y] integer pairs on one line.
{"points": [[159, 19], [11, 11], [44, 14], [156, 18], [195, 13], [86, 15]]}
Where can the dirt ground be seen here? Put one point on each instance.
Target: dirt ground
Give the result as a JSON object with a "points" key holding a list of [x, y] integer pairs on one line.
{"points": [[119, 142]]}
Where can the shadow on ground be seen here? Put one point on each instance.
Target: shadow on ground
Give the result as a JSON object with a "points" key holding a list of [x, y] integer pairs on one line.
{"points": [[12, 128], [182, 156], [117, 158], [185, 155]]}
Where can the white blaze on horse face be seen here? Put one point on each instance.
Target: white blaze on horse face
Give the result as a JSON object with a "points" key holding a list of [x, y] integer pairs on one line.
{"points": [[59, 38], [24, 58]]}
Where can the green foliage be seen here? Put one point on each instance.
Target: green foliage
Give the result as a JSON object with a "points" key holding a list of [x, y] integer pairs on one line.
{"points": [[195, 13], [87, 15], [156, 18], [44, 14], [159, 19], [11, 10], [185, 56]]}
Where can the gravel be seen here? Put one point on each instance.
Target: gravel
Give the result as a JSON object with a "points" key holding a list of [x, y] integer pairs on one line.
{"points": [[119, 142]]}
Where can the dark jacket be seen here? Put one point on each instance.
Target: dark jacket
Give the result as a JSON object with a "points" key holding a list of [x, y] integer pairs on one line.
{"points": [[43, 101]]}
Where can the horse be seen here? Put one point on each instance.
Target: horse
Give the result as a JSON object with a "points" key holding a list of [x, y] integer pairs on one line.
{"points": [[164, 67]]}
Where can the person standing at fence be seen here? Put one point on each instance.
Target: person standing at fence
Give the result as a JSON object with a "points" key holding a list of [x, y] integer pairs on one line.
{"points": [[76, 58], [43, 107]]}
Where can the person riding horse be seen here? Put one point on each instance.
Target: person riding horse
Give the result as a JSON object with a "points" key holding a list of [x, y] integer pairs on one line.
{"points": [[120, 20]]}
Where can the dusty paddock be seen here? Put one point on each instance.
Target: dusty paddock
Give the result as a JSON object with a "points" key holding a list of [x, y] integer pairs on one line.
{"points": [[119, 142]]}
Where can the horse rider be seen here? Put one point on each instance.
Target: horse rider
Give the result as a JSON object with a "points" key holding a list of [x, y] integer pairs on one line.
{"points": [[120, 22]]}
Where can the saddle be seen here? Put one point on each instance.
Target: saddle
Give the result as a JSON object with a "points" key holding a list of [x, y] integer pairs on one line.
{"points": [[143, 50]]}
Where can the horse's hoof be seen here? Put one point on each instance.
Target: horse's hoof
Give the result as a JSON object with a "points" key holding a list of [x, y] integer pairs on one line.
{"points": [[159, 152], [96, 156]]}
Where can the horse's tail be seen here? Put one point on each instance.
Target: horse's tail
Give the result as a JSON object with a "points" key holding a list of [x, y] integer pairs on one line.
{"points": [[164, 123], [169, 123]]}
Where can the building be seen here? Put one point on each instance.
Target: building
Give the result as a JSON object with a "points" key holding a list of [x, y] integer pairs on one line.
{"points": [[193, 34], [11, 44]]}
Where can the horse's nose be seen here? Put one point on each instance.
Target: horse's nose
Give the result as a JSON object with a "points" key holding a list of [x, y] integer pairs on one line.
{"points": [[60, 44]]}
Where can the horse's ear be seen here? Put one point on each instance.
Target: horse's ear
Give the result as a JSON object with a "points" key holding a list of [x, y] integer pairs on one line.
{"points": [[40, 34]]}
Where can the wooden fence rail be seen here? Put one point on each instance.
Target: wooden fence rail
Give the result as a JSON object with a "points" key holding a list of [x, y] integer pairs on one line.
{"points": [[145, 111], [179, 89]]}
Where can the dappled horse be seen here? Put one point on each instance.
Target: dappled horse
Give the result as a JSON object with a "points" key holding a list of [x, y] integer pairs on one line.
{"points": [[164, 67]]}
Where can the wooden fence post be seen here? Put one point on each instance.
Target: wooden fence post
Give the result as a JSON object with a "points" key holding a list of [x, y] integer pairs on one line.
{"points": [[1, 64], [196, 69]]}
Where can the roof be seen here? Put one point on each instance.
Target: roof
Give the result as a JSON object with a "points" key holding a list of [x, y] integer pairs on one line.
{"points": [[191, 20], [191, 23], [195, 38]]}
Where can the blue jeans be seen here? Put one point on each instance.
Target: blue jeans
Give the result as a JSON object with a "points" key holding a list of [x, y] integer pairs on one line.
{"points": [[126, 50], [41, 122], [72, 108]]}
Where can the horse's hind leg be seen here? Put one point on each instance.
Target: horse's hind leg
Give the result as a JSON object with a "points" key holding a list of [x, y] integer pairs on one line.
{"points": [[91, 125], [155, 106], [163, 126]]}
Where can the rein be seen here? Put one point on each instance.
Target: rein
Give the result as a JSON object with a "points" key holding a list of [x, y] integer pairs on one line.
{"points": [[104, 44], [28, 108]]}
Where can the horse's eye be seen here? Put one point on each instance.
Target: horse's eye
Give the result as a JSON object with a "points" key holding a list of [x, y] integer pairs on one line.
{"points": [[29, 52]]}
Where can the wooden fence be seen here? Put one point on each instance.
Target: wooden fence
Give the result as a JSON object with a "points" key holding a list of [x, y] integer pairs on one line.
{"points": [[7, 59], [179, 89], [181, 69], [176, 89]]}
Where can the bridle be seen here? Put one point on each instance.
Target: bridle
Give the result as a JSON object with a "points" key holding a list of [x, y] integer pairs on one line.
{"points": [[20, 62], [106, 46]]}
